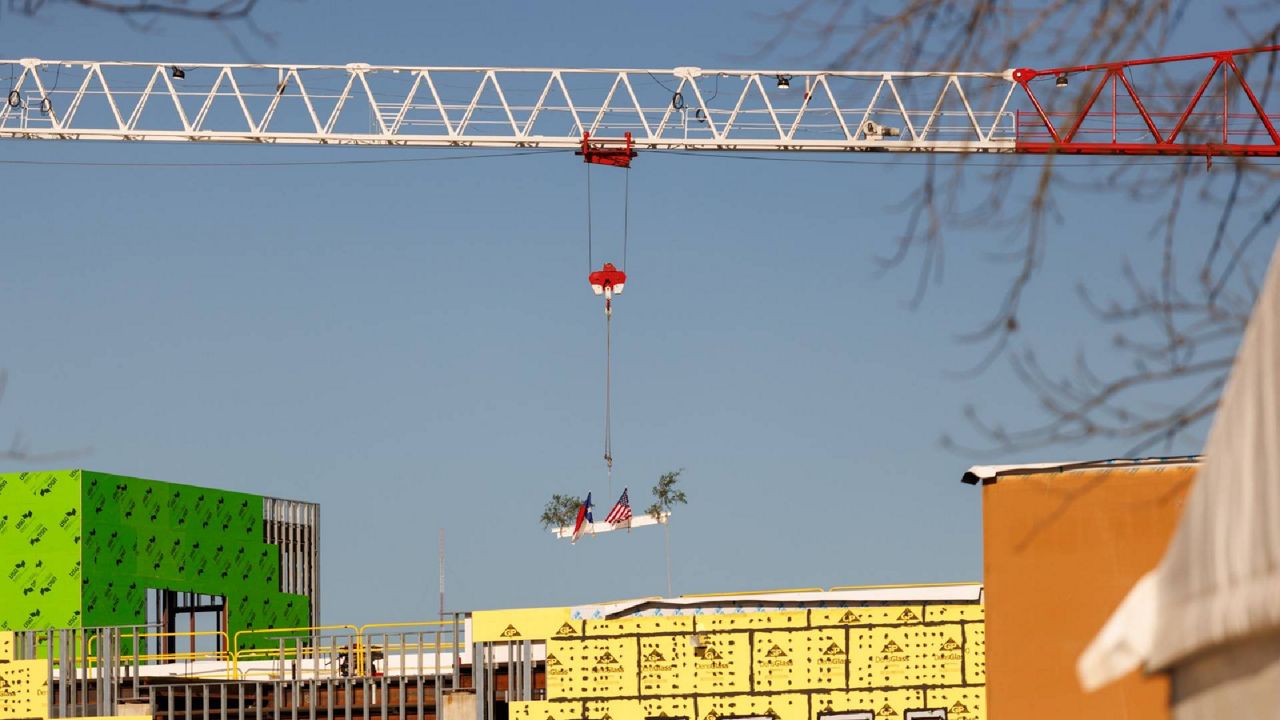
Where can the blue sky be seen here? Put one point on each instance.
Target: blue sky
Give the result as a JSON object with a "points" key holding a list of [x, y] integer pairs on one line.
{"points": [[414, 346]]}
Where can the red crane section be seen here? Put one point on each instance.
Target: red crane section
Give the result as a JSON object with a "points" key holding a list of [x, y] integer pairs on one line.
{"points": [[1121, 116]]}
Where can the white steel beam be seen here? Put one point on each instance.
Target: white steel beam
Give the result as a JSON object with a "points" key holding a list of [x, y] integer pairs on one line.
{"points": [[598, 528], [402, 106]]}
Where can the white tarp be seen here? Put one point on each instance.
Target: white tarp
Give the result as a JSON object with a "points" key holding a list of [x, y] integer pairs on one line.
{"points": [[1210, 611]]}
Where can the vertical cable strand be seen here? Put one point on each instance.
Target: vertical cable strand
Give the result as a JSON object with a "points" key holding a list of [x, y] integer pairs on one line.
{"points": [[608, 394], [591, 265], [626, 216]]}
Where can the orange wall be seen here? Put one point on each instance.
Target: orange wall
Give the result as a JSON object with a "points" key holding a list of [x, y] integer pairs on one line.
{"points": [[1061, 549]]}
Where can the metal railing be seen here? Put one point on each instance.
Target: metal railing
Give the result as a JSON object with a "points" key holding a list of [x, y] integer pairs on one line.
{"points": [[143, 639], [88, 672], [271, 672]]}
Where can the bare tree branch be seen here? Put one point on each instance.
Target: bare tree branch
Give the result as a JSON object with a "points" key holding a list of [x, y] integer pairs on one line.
{"points": [[211, 10], [20, 450], [1180, 317], [144, 16]]}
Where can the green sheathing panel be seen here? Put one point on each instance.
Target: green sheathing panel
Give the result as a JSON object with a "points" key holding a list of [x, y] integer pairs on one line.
{"points": [[142, 534], [40, 528]]}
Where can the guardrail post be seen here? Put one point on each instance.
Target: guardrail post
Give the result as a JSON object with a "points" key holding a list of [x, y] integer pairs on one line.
{"points": [[527, 653], [455, 654], [382, 681], [66, 679], [346, 697], [437, 689], [314, 645], [491, 682], [400, 679], [136, 652], [82, 693], [478, 679], [107, 671], [49, 669], [295, 690]]}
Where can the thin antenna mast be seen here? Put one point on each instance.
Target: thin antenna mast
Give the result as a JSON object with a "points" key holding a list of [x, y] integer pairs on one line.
{"points": [[441, 574]]}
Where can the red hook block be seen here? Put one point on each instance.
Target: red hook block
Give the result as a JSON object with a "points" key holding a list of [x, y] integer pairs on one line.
{"points": [[602, 154]]}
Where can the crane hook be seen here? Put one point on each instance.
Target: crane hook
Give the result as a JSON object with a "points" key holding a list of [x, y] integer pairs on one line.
{"points": [[606, 281]]}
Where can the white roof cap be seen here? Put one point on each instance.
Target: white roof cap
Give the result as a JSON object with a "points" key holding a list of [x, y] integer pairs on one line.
{"points": [[985, 473], [956, 592]]}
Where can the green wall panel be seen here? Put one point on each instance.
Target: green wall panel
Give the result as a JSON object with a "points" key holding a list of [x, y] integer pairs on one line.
{"points": [[40, 543], [81, 548], [147, 534]]}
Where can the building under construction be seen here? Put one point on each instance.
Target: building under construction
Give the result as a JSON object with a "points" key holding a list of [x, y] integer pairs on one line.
{"points": [[130, 597]]}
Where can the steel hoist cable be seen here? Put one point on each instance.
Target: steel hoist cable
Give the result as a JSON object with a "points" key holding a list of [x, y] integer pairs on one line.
{"points": [[626, 216], [608, 394], [606, 281], [590, 262]]}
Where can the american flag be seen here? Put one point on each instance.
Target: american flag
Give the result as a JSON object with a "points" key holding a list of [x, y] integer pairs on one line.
{"points": [[621, 513]]}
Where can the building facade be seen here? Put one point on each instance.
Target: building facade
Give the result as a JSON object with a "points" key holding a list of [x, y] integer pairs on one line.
{"points": [[905, 653], [84, 549]]}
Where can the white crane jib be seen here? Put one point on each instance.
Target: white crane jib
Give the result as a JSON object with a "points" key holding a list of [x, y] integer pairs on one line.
{"points": [[684, 108]]}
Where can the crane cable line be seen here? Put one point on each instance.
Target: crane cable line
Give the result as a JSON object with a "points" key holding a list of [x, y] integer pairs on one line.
{"points": [[608, 398], [626, 216], [1020, 162], [591, 264], [271, 163], [608, 334], [610, 280], [1059, 163], [608, 348]]}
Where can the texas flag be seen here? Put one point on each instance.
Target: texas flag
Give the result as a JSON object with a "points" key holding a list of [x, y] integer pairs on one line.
{"points": [[584, 521]]}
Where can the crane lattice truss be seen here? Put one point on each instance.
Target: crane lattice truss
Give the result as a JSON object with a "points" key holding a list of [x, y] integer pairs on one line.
{"points": [[1188, 105]]}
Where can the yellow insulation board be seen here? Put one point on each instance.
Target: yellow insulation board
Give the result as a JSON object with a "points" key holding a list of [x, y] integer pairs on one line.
{"points": [[722, 663], [523, 624], [908, 655], [883, 658], [967, 703], [666, 666], [750, 621], [593, 668], [544, 710], [24, 689], [634, 625], [954, 613], [670, 707], [885, 704], [975, 649], [614, 710], [871, 615], [781, 706]]}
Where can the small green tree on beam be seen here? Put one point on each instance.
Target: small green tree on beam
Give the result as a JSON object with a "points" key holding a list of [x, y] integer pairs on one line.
{"points": [[560, 511], [665, 497]]}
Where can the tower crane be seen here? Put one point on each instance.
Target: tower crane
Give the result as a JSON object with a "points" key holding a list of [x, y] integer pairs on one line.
{"points": [[608, 115]]}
